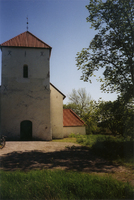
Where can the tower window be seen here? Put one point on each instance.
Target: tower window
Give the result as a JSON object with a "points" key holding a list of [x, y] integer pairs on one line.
{"points": [[25, 71]]}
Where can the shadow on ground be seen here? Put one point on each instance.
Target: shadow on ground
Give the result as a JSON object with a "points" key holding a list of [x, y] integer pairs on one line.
{"points": [[74, 158]]}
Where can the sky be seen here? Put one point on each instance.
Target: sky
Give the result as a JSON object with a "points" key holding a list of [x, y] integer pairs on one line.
{"points": [[62, 25]]}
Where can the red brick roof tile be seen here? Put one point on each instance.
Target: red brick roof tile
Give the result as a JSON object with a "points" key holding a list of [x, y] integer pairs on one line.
{"points": [[71, 119], [26, 39]]}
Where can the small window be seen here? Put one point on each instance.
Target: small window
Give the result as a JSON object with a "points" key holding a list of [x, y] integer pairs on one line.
{"points": [[25, 71]]}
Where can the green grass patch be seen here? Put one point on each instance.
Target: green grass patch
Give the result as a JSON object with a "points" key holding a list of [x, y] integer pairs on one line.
{"points": [[68, 139], [115, 149], [112, 148], [47, 184]]}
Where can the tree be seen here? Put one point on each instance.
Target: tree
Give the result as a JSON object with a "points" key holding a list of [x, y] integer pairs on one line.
{"points": [[73, 107], [112, 48], [80, 101], [91, 118], [82, 104], [117, 117]]}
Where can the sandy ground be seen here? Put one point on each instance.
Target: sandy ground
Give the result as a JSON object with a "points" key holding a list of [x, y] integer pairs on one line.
{"points": [[34, 146]]}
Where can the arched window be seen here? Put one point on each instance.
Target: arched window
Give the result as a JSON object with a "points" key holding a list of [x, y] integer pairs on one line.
{"points": [[25, 71]]}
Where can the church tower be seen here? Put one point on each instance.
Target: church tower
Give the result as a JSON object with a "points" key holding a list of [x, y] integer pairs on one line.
{"points": [[25, 88]]}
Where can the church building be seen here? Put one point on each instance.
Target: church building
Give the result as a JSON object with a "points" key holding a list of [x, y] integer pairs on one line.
{"points": [[31, 106]]}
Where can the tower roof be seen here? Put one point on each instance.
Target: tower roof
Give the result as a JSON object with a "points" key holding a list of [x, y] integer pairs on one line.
{"points": [[26, 39]]}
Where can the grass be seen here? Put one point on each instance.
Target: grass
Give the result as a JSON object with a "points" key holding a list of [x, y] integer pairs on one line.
{"points": [[58, 184], [68, 139], [116, 149]]}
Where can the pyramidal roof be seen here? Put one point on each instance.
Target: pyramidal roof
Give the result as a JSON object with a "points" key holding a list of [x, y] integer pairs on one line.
{"points": [[26, 39]]}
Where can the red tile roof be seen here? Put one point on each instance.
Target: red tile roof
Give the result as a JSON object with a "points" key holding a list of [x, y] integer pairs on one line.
{"points": [[71, 119], [26, 39]]}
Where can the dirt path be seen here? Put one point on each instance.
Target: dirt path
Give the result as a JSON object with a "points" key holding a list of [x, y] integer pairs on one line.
{"points": [[56, 155], [34, 146]]}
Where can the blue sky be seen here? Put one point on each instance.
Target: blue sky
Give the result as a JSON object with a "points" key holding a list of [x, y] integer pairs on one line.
{"points": [[62, 25]]}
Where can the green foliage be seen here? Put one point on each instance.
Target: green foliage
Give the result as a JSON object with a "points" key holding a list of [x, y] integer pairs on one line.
{"points": [[90, 119], [90, 140], [112, 48], [73, 135], [74, 107], [109, 147], [66, 139], [117, 116], [115, 149], [84, 107], [47, 184]]}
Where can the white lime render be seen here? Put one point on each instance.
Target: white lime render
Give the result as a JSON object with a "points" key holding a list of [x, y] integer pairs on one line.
{"points": [[31, 107]]}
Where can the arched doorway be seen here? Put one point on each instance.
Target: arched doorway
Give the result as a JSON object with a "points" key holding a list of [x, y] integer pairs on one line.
{"points": [[26, 130]]}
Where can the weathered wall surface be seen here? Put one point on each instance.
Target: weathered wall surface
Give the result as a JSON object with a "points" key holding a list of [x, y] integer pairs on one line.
{"points": [[25, 98], [56, 100], [76, 130]]}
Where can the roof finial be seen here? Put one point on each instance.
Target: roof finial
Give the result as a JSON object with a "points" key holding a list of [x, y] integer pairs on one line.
{"points": [[27, 23]]}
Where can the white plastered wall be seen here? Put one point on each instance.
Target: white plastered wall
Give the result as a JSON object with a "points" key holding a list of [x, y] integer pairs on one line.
{"points": [[76, 130], [56, 113], [25, 98]]}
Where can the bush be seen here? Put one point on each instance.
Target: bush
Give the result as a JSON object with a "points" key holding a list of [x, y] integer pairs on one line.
{"points": [[117, 149], [109, 147]]}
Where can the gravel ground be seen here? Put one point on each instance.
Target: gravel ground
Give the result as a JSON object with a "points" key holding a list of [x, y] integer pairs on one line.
{"points": [[34, 146]]}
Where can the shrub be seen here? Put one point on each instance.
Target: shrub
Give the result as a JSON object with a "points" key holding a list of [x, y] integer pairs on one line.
{"points": [[109, 147]]}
